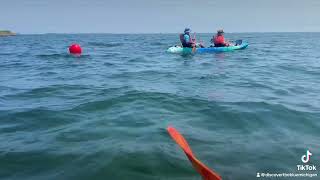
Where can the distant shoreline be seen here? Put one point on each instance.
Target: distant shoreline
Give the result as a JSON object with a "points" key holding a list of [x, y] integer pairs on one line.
{"points": [[7, 33]]}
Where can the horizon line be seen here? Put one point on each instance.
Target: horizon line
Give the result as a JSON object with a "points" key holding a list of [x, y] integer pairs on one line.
{"points": [[115, 33]]}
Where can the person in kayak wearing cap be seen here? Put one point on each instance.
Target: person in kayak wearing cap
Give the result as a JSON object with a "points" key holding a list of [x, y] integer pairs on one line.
{"points": [[186, 39], [219, 40]]}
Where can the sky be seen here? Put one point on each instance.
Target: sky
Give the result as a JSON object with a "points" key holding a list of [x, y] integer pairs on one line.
{"points": [[159, 16]]}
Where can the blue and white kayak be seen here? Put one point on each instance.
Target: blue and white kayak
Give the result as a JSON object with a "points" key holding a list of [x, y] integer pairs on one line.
{"points": [[182, 50]]}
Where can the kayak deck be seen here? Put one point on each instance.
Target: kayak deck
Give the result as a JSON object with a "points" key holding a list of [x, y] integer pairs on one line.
{"points": [[182, 50]]}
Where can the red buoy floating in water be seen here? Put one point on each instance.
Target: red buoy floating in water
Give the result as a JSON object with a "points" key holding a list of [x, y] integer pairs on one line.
{"points": [[75, 49]]}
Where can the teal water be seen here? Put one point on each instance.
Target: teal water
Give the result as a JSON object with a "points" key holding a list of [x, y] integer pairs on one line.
{"points": [[104, 115]]}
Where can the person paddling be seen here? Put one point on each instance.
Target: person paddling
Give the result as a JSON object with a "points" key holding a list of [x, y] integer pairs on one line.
{"points": [[186, 39], [219, 40]]}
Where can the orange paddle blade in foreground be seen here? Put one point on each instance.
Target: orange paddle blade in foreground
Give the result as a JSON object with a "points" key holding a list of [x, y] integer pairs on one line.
{"points": [[206, 173]]}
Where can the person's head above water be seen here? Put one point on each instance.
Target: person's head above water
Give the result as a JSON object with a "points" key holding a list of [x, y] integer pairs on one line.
{"points": [[187, 30], [220, 32]]}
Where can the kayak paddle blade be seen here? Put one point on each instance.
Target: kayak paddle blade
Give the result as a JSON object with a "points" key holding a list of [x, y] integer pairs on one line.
{"points": [[179, 139], [194, 49], [203, 170]]}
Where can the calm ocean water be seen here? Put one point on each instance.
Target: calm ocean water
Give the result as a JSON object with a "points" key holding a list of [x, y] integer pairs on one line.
{"points": [[104, 115]]}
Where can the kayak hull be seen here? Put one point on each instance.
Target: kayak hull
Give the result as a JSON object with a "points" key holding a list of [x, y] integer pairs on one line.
{"points": [[182, 50]]}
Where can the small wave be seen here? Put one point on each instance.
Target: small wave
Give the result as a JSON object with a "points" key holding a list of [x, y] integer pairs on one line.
{"points": [[157, 44], [39, 118], [137, 59], [110, 54], [49, 90], [108, 64], [162, 99], [104, 44], [61, 56], [47, 72], [244, 113], [6, 54], [53, 56], [143, 73]]}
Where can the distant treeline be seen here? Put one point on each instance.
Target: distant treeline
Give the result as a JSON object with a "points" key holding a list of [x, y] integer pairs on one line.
{"points": [[6, 33]]}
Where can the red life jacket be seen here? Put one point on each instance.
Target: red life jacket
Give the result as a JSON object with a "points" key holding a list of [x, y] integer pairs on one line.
{"points": [[219, 40], [181, 36]]}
